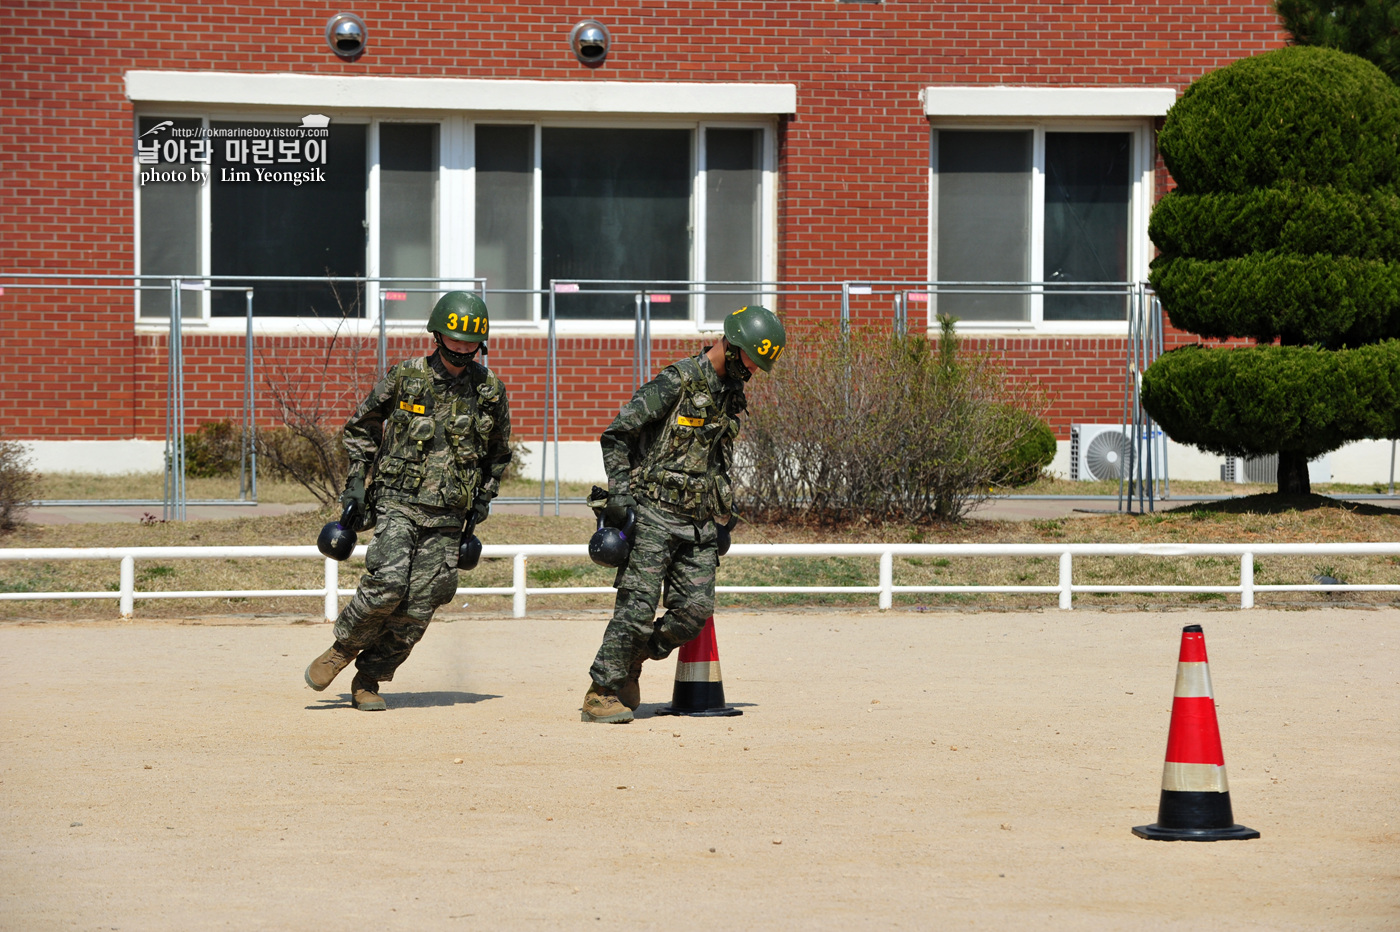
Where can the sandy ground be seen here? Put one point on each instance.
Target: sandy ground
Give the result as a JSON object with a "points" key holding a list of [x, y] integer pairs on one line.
{"points": [[890, 771]]}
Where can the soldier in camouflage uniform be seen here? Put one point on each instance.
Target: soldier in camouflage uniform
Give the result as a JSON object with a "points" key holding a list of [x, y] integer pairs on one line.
{"points": [[667, 454], [435, 434]]}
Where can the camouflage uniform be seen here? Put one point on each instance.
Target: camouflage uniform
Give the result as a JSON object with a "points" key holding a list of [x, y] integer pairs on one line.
{"points": [[669, 447], [438, 446]]}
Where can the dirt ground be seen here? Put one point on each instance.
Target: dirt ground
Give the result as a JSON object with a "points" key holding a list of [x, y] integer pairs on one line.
{"points": [[902, 770]]}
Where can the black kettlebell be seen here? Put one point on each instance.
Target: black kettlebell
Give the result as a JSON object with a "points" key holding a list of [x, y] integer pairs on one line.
{"points": [[337, 539], [722, 540], [469, 550], [610, 546]]}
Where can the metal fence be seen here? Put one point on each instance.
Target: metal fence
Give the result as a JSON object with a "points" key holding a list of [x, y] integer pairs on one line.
{"points": [[519, 590], [1142, 312]]}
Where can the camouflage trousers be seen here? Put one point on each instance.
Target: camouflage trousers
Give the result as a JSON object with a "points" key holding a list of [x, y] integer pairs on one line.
{"points": [[683, 554], [410, 571]]}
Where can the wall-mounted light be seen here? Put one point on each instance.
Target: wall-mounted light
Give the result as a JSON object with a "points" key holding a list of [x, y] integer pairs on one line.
{"points": [[590, 41], [346, 35]]}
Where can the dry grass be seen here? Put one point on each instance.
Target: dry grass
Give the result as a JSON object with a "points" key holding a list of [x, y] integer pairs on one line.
{"points": [[1265, 518]]}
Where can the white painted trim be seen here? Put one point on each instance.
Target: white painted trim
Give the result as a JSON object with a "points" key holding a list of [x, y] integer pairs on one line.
{"points": [[457, 94], [1006, 101]]}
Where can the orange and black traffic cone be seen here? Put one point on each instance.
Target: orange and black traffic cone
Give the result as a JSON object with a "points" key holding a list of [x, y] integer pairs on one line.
{"points": [[699, 689], [1195, 802]]}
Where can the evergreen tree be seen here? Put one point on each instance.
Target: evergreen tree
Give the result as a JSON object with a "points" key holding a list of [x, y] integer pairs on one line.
{"points": [[1367, 28], [1284, 226]]}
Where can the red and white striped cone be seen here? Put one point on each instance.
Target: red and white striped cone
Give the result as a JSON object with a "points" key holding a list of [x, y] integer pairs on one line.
{"points": [[1195, 802], [699, 689]]}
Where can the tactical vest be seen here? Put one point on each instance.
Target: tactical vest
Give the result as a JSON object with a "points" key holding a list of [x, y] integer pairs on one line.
{"points": [[685, 468], [435, 436]]}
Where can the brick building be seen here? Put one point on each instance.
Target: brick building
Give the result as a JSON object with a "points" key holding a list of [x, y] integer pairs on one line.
{"points": [[798, 142]]}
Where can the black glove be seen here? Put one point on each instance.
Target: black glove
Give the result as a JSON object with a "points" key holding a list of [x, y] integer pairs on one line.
{"points": [[354, 493], [615, 513], [481, 510]]}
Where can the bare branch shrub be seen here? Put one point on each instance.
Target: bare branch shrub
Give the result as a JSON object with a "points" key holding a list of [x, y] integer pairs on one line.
{"points": [[312, 394], [19, 483], [881, 428]]}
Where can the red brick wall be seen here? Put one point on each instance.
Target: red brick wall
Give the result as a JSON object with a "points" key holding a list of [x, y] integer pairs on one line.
{"points": [[853, 159]]}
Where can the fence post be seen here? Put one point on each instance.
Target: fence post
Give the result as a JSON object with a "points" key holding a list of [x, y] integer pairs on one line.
{"points": [[886, 580], [127, 604], [518, 582], [1066, 574], [1247, 581], [332, 589]]}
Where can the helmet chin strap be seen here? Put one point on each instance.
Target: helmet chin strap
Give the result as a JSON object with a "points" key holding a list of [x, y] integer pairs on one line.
{"points": [[734, 366], [457, 359]]}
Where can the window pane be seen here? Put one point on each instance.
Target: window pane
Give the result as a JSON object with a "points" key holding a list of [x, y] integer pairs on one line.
{"points": [[278, 228], [1086, 221], [169, 223], [505, 216], [983, 220], [732, 183], [616, 206], [408, 176]]}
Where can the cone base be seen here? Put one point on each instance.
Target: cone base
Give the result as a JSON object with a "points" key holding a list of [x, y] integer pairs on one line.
{"points": [[699, 713], [1155, 832]]}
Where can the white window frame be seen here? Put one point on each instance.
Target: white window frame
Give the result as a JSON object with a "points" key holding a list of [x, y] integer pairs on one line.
{"points": [[457, 105], [1042, 110]]}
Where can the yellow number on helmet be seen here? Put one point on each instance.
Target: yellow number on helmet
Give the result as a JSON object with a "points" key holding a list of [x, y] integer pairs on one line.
{"points": [[451, 321], [764, 347]]}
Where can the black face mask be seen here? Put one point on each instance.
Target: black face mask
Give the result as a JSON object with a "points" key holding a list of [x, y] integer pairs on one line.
{"points": [[734, 366], [457, 359]]}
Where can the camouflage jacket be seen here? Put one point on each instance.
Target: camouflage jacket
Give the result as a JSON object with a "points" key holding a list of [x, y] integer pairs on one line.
{"points": [[672, 443], [431, 445]]}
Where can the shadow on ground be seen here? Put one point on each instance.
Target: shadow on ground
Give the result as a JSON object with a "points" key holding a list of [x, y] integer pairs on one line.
{"points": [[426, 700], [1273, 503]]}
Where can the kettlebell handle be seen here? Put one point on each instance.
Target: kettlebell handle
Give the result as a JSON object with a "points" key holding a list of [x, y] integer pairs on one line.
{"points": [[628, 523]]}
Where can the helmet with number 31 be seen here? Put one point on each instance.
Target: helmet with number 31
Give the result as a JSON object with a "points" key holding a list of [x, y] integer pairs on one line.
{"points": [[758, 332], [460, 315]]}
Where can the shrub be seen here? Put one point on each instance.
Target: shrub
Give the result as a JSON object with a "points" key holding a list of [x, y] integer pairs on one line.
{"points": [[307, 454], [214, 449], [18, 483], [1271, 295], [1285, 228], [880, 427], [1312, 116], [1028, 458], [1290, 219], [1275, 399]]}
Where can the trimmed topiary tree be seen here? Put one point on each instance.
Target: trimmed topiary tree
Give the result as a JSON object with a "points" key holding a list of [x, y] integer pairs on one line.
{"points": [[1284, 226]]}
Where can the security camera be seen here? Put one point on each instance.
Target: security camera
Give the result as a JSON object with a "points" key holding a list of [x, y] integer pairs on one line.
{"points": [[590, 41], [346, 35]]}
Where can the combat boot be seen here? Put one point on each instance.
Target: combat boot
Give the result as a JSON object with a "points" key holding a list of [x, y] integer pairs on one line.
{"points": [[601, 705], [325, 667], [364, 693], [630, 692]]}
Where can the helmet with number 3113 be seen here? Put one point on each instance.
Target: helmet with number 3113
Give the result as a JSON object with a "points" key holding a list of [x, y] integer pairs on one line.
{"points": [[758, 332], [460, 315]]}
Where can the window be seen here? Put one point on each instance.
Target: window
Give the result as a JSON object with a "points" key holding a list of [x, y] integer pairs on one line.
{"points": [[505, 217], [1016, 206], [733, 216], [518, 204], [1031, 185], [408, 220], [241, 223], [616, 205], [281, 228]]}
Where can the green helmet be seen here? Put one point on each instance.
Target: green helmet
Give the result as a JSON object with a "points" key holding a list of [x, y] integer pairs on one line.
{"points": [[758, 332], [460, 315]]}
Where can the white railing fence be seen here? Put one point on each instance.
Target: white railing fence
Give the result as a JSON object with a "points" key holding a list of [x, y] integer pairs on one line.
{"points": [[519, 590]]}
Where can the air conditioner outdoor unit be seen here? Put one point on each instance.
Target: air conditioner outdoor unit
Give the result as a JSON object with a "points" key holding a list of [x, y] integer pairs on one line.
{"points": [[1264, 469], [1104, 451]]}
